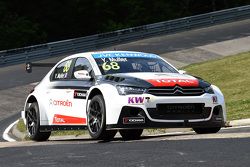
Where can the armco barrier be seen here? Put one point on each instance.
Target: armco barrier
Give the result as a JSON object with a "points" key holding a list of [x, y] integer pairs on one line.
{"points": [[93, 42]]}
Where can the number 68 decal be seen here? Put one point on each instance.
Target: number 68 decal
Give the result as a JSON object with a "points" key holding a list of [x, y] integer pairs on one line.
{"points": [[112, 65]]}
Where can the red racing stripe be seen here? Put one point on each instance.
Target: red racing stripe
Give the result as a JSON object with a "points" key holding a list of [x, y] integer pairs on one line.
{"points": [[63, 119], [174, 81]]}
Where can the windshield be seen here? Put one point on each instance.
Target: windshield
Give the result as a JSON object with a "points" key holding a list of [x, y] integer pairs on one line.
{"points": [[127, 62]]}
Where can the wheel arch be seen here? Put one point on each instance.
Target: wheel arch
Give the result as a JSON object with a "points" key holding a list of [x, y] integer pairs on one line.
{"points": [[94, 92], [30, 99]]}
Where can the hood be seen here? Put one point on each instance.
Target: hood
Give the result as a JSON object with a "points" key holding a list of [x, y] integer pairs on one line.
{"points": [[156, 80], [166, 79]]}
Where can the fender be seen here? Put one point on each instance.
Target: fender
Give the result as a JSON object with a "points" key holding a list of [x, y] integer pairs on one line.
{"points": [[42, 113], [221, 100], [113, 108]]}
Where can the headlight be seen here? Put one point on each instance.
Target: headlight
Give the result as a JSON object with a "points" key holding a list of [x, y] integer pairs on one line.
{"points": [[126, 90], [209, 90]]}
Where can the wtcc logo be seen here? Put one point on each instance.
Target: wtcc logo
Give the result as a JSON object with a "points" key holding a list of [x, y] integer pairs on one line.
{"points": [[136, 100]]}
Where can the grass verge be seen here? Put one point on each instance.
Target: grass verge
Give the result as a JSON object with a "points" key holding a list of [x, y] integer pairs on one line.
{"points": [[22, 128], [232, 76]]}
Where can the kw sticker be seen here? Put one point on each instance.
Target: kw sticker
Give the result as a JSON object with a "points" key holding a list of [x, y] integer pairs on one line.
{"points": [[136, 100]]}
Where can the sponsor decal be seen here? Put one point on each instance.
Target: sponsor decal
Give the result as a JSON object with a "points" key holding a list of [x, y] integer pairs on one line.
{"points": [[63, 103], [63, 119], [123, 55], [147, 99], [173, 82], [61, 75], [118, 59], [80, 94], [215, 99], [110, 66], [133, 120], [136, 100]]}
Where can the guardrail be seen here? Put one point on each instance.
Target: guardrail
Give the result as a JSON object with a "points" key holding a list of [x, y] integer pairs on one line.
{"points": [[93, 42]]}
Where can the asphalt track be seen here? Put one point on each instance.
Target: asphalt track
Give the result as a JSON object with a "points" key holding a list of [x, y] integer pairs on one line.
{"points": [[165, 150]]}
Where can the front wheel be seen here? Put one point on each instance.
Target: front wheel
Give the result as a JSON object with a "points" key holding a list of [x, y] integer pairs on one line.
{"points": [[207, 130], [33, 124], [131, 134], [96, 116]]}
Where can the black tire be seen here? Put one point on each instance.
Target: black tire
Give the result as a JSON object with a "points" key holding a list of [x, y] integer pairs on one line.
{"points": [[131, 134], [96, 116], [207, 130], [33, 124]]}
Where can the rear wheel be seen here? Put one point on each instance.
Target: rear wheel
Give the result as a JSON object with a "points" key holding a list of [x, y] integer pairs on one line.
{"points": [[96, 116], [207, 130], [33, 124], [131, 134]]}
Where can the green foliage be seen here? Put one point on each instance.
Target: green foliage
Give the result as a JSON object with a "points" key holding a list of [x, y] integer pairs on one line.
{"points": [[21, 126], [16, 31], [232, 76], [30, 22]]}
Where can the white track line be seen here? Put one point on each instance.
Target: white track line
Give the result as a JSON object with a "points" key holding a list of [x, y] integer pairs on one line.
{"points": [[6, 132], [237, 127], [34, 83]]}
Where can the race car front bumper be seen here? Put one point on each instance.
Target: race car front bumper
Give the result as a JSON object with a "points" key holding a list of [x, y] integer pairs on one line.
{"points": [[136, 118], [148, 111]]}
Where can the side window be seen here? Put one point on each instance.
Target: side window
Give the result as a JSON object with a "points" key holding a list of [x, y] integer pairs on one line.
{"points": [[62, 70], [82, 64]]}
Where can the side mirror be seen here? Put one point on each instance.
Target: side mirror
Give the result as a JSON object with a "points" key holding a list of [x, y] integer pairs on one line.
{"points": [[82, 75], [182, 72]]}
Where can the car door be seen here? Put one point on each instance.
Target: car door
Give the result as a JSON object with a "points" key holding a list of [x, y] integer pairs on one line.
{"points": [[81, 87], [67, 95]]}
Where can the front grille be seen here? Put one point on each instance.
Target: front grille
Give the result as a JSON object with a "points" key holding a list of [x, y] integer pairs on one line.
{"points": [[179, 111], [175, 91]]}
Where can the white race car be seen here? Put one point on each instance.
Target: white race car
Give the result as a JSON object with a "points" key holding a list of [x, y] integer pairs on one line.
{"points": [[120, 90]]}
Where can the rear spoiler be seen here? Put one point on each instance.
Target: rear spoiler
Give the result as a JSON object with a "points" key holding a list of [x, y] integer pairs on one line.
{"points": [[29, 66]]}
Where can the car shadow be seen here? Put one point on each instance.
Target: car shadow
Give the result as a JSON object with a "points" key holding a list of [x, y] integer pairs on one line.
{"points": [[120, 139]]}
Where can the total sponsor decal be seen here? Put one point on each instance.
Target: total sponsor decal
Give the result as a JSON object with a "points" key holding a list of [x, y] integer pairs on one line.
{"points": [[80, 94], [133, 120], [173, 82], [63, 119], [63, 103]]}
